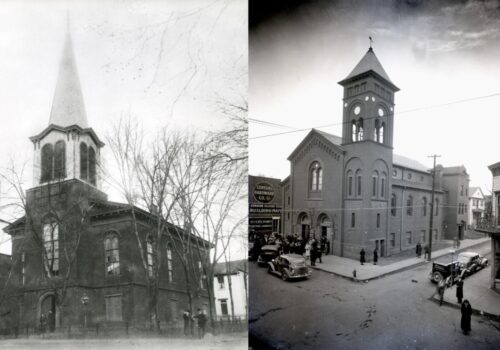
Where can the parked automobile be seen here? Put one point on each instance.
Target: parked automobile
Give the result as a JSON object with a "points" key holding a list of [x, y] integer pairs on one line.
{"points": [[289, 266], [443, 269], [471, 262], [267, 253]]}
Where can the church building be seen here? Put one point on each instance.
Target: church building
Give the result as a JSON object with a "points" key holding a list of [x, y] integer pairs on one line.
{"points": [[355, 190], [76, 258]]}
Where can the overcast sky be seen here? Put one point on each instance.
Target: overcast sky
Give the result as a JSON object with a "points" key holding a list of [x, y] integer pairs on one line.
{"points": [[436, 52], [161, 62]]}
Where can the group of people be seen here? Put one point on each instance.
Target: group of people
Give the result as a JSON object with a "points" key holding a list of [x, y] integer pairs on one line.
{"points": [[418, 250], [312, 248], [362, 258], [466, 308], [189, 320], [47, 320]]}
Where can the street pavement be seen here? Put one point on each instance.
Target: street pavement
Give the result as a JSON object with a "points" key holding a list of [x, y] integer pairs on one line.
{"points": [[345, 267], [238, 341], [331, 312]]}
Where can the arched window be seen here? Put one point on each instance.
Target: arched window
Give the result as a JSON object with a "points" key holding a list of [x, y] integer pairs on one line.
{"points": [[360, 129], [409, 206], [51, 248], [112, 254], [92, 176], [84, 156], [424, 206], [150, 256], [170, 266], [382, 185], [393, 204], [359, 178], [316, 177], [60, 160], [47, 161], [378, 220], [354, 129], [381, 133], [374, 184], [305, 224], [376, 130], [350, 184], [353, 219]]}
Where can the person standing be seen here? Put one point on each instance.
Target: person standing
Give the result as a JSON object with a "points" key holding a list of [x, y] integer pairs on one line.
{"points": [[319, 251], [426, 252], [375, 256], [52, 321], [466, 317], [187, 322], [460, 290], [419, 250], [362, 256], [43, 323], [440, 289], [202, 322], [313, 252]]}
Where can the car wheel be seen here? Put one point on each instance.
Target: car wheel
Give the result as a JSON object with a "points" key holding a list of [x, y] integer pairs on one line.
{"points": [[436, 277], [284, 276]]}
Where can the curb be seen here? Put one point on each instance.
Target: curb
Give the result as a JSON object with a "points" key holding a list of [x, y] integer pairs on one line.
{"points": [[474, 311], [404, 268]]}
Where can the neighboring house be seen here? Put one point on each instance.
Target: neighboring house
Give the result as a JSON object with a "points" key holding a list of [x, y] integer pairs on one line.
{"points": [[236, 274], [491, 226], [477, 206], [356, 191], [74, 253]]}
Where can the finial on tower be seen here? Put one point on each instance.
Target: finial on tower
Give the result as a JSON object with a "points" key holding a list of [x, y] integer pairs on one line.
{"points": [[371, 42]]}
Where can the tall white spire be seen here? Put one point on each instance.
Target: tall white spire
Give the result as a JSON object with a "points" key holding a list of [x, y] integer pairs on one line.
{"points": [[68, 107]]}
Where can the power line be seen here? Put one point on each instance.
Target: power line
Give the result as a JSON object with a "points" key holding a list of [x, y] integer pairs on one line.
{"points": [[367, 118]]}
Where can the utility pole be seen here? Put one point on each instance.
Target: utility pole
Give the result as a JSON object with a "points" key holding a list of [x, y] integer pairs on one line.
{"points": [[432, 204]]}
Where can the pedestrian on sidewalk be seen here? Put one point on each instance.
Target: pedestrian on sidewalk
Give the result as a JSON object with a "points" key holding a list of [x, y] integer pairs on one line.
{"points": [[419, 250], [426, 252], [187, 322], [319, 252], [314, 252], [362, 256], [460, 290], [440, 289], [466, 316], [375, 256]]}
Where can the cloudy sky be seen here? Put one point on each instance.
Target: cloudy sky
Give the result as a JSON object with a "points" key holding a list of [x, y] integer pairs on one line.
{"points": [[160, 62], [436, 52]]}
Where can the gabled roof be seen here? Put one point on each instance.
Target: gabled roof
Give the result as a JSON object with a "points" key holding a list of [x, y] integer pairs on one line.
{"points": [[408, 163], [68, 107], [369, 64], [234, 267], [454, 170], [331, 139], [473, 190]]}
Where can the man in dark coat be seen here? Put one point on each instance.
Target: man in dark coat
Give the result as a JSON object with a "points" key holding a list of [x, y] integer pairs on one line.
{"points": [[419, 250], [187, 323], [362, 256], [202, 322], [466, 317], [426, 252], [375, 256], [460, 290], [314, 252]]}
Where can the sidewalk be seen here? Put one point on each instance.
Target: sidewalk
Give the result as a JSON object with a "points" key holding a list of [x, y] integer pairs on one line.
{"points": [[344, 267], [484, 301]]}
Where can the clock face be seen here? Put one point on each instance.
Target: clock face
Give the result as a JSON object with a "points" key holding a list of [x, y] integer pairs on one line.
{"points": [[357, 110], [380, 112]]}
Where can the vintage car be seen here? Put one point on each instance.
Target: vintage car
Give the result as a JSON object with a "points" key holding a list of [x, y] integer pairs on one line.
{"points": [[444, 269], [289, 266], [471, 262], [267, 253]]}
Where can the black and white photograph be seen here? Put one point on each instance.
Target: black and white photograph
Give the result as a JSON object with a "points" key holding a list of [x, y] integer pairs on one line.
{"points": [[374, 174], [123, 174]]}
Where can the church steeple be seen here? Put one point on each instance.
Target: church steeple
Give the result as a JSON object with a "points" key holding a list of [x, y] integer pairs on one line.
{"points": [[67, 106]]}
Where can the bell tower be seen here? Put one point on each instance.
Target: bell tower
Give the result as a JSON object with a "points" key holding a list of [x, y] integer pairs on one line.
{"points": [[368, 103], [67, 148]]}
